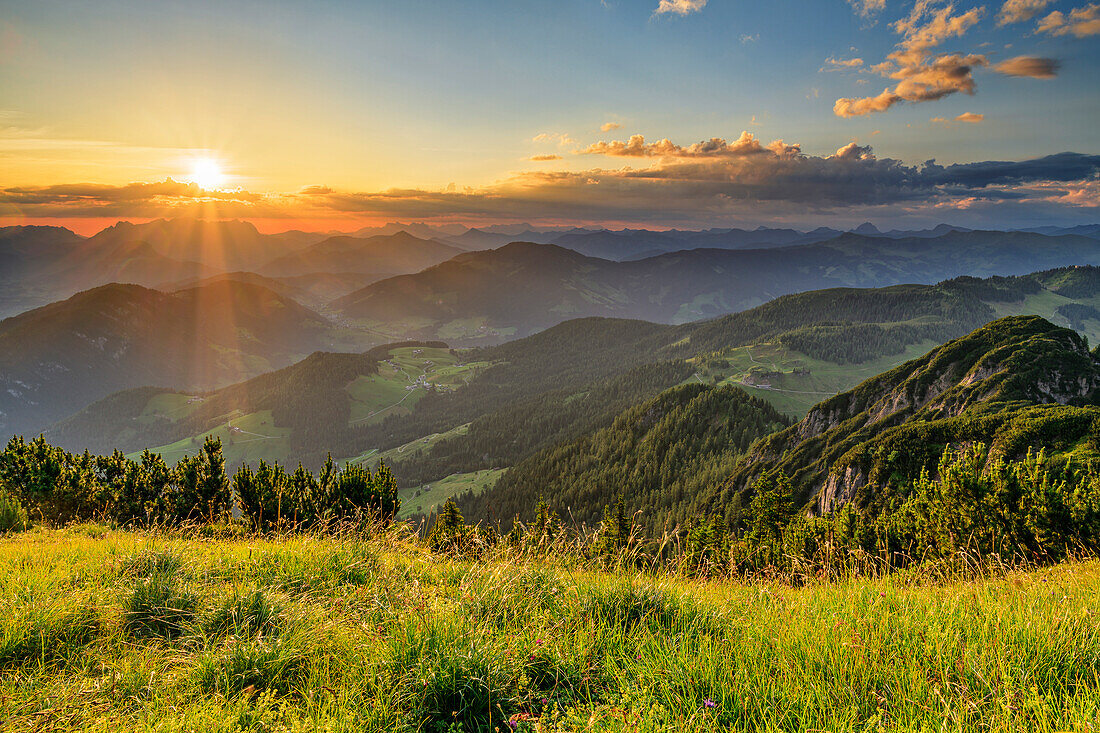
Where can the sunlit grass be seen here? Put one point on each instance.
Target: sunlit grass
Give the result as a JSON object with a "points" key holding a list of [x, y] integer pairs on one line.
{"points": [[107, 630]]}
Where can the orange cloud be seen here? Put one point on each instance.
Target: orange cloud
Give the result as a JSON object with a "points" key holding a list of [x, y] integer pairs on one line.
{"points": [[1017, 11], [921, 78], [1035, 67], [832, 64], [1080, 22], [542, 158], [867, 8], [704, 183], [849, 107], [609, 126], [971, 117], [560, 138], [716, 147]]}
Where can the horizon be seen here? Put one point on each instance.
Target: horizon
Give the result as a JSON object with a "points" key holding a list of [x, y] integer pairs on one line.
{"points": [[90, 228]]}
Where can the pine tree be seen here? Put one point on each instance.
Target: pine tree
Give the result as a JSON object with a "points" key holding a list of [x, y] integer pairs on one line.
{"points": [[450, 533]]}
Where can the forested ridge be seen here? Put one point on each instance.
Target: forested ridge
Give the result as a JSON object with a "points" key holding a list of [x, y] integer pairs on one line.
{"points": [[514, 432], [654, 456]]}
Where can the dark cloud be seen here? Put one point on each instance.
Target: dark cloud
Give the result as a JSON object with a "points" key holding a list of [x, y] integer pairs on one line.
{"points": [[1035, 67]]}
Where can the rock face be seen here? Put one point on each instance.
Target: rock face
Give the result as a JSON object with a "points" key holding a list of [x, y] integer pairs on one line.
{"points": [[966, 390]]}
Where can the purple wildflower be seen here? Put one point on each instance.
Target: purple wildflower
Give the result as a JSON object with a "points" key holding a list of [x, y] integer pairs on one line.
{"points": [[709, 703]]}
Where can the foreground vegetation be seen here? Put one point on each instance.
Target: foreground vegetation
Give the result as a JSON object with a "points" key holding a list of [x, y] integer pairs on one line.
{"points": [[112, 630]]}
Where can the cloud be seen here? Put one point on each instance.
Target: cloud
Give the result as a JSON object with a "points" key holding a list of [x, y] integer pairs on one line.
{"points": [[750, 37], [680, 7], [1035, 67], [716, 147], [971, 117], [609, 126], [702, 184], [542, 158], [92, 199], [853, 151], [1081, 22], [1017, 11], [560, 138], [867, 8], [832, 64], [919, 76], [849, 107]]}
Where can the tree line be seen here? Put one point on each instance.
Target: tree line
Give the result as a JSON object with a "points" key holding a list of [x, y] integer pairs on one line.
{"points": [[59, 486]]}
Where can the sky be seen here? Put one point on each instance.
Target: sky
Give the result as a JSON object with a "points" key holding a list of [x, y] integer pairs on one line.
{"points": [[658, 113]]}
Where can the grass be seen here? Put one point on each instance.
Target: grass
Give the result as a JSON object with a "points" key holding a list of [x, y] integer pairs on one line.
{"points": [[801, 381], [252, 437], [387, 393], [424, 499], [1045, 303], [246, 438], [308, 633]]}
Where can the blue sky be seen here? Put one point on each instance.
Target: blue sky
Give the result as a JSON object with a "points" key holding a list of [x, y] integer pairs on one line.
{"points": [[362, 98]]}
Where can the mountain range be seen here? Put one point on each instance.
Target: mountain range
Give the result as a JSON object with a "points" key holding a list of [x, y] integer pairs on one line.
{"points": [[522, 287]]}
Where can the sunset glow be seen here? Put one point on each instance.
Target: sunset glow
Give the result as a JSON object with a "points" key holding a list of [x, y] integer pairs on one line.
{"points": [[670, 114], [207, 173]]}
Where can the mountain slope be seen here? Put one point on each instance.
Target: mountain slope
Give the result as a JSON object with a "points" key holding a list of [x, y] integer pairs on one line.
{"points": [[653, 455], [298, 413], [280, 287], [55, 359], [1005, 384], [219, 246], [534, 284], [395, 254]]}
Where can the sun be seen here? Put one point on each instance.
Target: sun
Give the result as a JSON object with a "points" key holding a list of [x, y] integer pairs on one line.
{"points": [[207, 173]]}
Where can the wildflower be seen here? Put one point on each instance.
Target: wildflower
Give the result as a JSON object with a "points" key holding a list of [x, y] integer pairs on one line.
{"points": [[709, 703]]}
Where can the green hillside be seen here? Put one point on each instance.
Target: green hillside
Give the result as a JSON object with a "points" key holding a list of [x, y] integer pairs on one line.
{"points": [[654, 456], [296, 413]]}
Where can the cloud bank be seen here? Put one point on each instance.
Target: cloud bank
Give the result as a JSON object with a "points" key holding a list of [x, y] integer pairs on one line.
{"points": [[705, 183]]}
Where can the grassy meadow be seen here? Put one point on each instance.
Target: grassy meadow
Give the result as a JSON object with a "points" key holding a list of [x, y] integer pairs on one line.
{"points": [[105, 630]]}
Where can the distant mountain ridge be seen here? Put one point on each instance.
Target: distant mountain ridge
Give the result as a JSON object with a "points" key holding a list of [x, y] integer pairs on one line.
{"points": [[523, 287], [390, 253]]}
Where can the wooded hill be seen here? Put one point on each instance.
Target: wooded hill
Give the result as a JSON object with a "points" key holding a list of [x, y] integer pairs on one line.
{"points": [[994, 436]]}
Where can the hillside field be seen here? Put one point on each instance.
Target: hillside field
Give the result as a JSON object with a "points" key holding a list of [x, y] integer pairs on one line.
{"points": [[792, 381], [403, 377], [104, 630]]}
